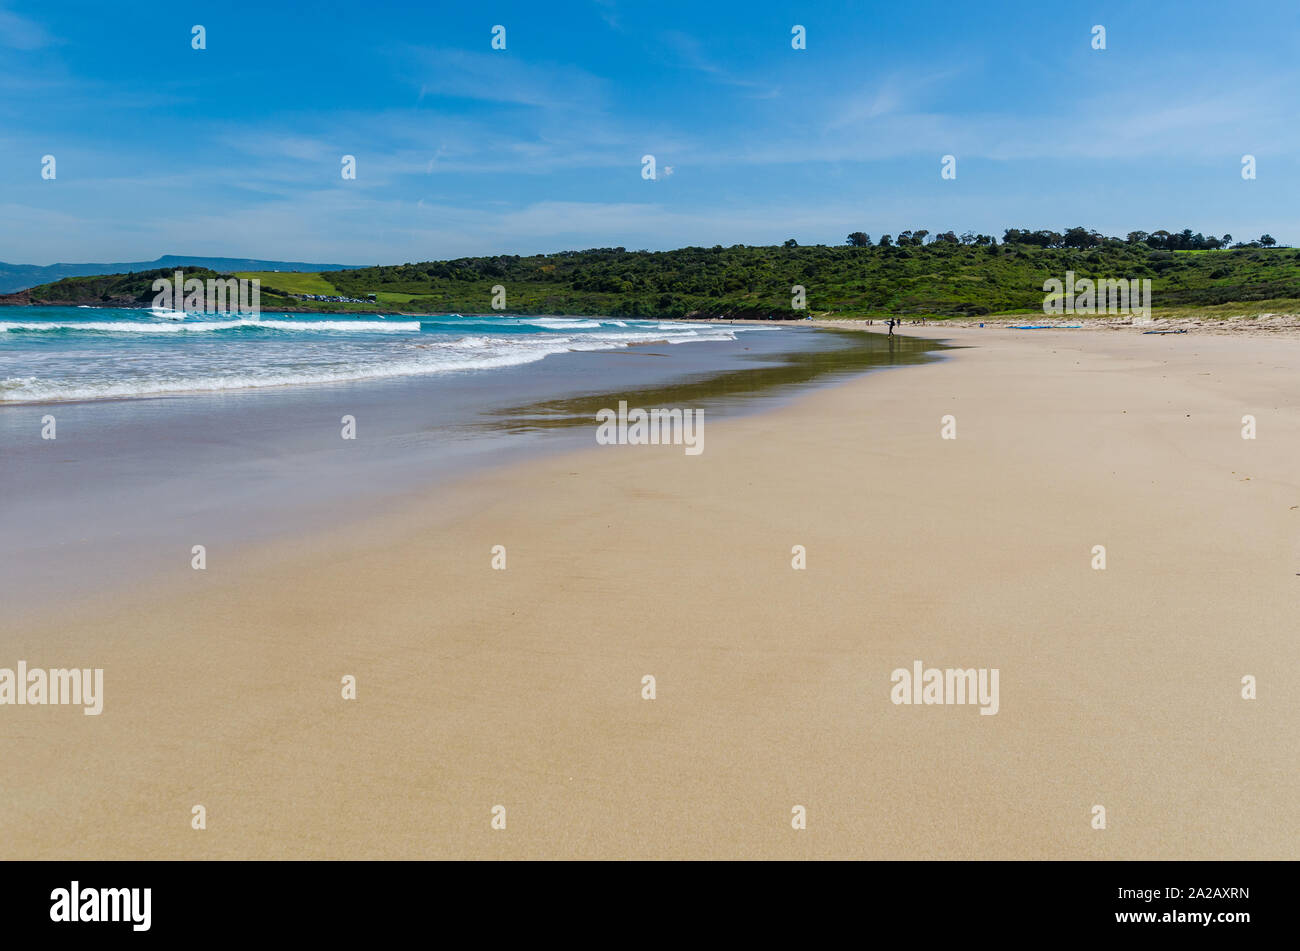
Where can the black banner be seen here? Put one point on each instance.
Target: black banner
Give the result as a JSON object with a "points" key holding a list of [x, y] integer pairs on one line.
{"points": [[977, 901]]}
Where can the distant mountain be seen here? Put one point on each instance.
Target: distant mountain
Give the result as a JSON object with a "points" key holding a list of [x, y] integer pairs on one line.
{"points": [[17, 277]]}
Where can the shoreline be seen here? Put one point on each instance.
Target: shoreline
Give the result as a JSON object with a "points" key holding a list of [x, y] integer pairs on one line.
{"points": [[1244, 322], [523, 687], [131, 485]]}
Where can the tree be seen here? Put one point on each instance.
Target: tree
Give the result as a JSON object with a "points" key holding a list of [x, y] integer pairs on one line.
{"points": [[791, 243], [859, 239], [885, 241], [1267, 240], [1080, 237]]}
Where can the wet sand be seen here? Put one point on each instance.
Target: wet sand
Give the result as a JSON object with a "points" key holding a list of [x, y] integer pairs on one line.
{"points": [[119, 499], [523, 687]]}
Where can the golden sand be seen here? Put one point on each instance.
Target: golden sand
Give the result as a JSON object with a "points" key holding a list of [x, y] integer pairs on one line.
{"points": [[523, 688]]}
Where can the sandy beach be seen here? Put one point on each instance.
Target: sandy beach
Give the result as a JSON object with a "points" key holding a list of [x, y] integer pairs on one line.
{"points": [[522, 687]]}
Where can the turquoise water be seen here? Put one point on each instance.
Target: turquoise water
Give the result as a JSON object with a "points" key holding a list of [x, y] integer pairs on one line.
{"points": [[84, 353]]}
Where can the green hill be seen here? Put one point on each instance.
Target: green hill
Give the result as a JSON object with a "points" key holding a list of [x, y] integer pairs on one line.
{"points": [[936, 280], [135, 289]]}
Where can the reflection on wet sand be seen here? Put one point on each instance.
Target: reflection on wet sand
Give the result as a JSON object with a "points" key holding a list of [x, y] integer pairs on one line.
{"points": [[778, 376]]}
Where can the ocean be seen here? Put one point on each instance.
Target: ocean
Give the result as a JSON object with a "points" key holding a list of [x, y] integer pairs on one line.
{"points": [[84, 353]]}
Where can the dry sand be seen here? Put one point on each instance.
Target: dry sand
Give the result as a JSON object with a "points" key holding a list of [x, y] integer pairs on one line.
{"points": [[522, 687]]}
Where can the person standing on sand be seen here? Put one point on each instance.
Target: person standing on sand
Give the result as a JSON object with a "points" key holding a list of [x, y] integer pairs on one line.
{"points": [[891, 326]]}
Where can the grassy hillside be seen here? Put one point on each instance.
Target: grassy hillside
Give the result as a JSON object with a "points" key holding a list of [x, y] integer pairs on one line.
{"points": [[934, 280], [291, 283]]}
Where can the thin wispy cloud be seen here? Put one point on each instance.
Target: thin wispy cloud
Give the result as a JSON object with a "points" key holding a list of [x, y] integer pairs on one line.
{"points": [[890, 95], [687, 52], [607, 10], [20, 33], [497, 78]]}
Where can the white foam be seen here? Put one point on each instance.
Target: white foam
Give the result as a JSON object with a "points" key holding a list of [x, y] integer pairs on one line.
{"points": [[293, 360], [562, 323], [28, 389], [211, 326]]}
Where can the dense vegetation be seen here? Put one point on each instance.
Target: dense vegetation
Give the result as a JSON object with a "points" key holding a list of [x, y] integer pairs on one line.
{"points": [[1079, 238], [132, 288], [942, 278]]}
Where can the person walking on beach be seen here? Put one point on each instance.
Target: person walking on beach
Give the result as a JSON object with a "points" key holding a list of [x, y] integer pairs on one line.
{"points": [[891, 326]]}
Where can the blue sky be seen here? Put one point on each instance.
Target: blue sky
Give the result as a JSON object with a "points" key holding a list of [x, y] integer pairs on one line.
{"points": [[235, 150]]}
